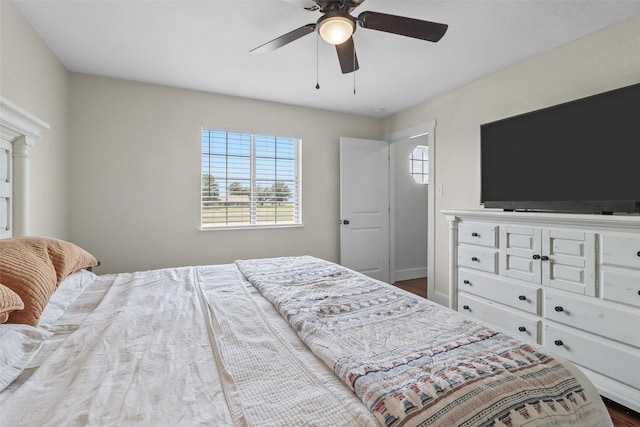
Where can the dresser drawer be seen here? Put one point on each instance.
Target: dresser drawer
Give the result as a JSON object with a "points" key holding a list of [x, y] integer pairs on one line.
{"points": [[606, 357], [622, 251], [477, 233], [621, 286], [503, 291], [608, 320], [518, 325], [478, 258]]}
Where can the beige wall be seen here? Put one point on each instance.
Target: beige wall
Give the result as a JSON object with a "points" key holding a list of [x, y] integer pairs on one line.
{"points": [[34, 79], [136, 174], [599, 62]]}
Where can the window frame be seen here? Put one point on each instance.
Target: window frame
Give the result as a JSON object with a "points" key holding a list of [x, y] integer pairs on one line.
{"points": [[253, 223], [424, 165]]}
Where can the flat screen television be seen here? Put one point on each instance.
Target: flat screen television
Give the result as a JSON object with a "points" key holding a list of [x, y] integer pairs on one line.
{"points": [[581, 156]]}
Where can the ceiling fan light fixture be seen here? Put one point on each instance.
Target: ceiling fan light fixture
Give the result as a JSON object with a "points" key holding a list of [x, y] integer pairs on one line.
{"points": [[336, 29]]}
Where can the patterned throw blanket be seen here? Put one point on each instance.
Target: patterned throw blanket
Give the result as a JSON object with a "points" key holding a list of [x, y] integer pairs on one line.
{"points": [[413, 362]]}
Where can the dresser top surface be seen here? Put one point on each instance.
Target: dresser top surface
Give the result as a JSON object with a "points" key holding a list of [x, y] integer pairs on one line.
{"points": [[629, 222]]}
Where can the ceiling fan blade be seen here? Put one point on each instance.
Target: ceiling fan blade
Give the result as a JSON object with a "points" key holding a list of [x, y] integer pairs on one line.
{"points": [[347, 56], [304, 4], [409, 27], [285, 39]]}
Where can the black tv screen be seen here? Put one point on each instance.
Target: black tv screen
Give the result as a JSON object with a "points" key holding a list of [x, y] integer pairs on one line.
{"points": [[581, 156]]}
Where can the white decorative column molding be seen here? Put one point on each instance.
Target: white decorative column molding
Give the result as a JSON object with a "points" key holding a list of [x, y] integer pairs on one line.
{"points": [[453, 261], [21, 147], [21, 129]]}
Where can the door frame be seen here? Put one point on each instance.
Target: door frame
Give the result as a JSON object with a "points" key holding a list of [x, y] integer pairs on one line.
{"points": [[428, 129]]}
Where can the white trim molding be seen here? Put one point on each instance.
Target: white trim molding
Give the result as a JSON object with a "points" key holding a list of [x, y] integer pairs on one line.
{"points": [[429, 129], [21, 129]]}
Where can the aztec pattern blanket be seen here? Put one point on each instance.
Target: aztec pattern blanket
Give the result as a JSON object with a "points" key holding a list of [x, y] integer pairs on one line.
{"points": [[415, 363]]}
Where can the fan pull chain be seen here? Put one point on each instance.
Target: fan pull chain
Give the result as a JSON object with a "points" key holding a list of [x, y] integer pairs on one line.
{"points": [[317, 63], [354, 71]]}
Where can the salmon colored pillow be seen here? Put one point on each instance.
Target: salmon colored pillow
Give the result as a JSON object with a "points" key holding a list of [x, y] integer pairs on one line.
{"points": [[32, 267], [9, 301]]}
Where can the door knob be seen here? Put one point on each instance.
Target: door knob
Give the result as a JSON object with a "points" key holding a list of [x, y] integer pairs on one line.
{"points": [[345, 222]]}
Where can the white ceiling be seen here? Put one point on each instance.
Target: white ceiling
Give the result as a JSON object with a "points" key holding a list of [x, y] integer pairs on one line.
{"points": [[204, 45]]}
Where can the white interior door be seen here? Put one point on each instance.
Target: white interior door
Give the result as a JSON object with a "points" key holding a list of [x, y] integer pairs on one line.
{"points": [[364, 206]]}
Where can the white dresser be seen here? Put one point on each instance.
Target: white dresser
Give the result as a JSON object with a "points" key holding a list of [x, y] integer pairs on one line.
{"points": [[568, 282]]}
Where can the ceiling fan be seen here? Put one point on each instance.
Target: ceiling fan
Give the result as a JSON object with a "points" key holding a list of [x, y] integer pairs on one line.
{"points": [[336, 26]]}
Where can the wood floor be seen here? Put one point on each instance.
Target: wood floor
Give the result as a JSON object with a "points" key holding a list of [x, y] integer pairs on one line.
{"points": [[621, 416], [415, 286]]}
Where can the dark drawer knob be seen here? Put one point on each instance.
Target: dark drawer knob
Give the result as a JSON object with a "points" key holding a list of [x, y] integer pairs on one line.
{"points": [[474, 234], [558, 342], [475, 259], [522, 329], [558, 308], [466, 307], [466, 282], [638, 253], [522, 298], [638, 292], [536, 256], [544, 258]]}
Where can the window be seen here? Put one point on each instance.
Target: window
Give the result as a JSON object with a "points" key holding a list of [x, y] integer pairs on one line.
{"points": [[250, 180], [419, 164]]}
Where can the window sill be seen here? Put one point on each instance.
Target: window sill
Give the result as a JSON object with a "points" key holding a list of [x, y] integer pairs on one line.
{"points": [[249, 227]]}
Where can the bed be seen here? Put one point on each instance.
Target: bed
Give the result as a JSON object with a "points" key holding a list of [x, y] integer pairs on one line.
{"points": [[264, 342]]}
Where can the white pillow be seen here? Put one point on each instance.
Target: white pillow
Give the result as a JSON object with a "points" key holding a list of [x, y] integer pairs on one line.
{"points": [[19, 343], [66, 293]]}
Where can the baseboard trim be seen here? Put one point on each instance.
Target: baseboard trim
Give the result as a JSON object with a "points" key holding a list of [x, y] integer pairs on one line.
{"points": [[410, 273], [614, 390]]}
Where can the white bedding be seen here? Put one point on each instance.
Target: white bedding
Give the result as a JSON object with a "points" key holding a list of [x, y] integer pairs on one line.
{"points": [[134, 350], [19, 344]]}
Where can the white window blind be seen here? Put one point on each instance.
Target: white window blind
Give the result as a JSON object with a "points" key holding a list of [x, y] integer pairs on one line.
{"points": [[250, 180]]}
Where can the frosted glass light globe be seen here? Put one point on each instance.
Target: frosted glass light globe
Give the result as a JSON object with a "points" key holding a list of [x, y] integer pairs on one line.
{"points": [[336, 29]]}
